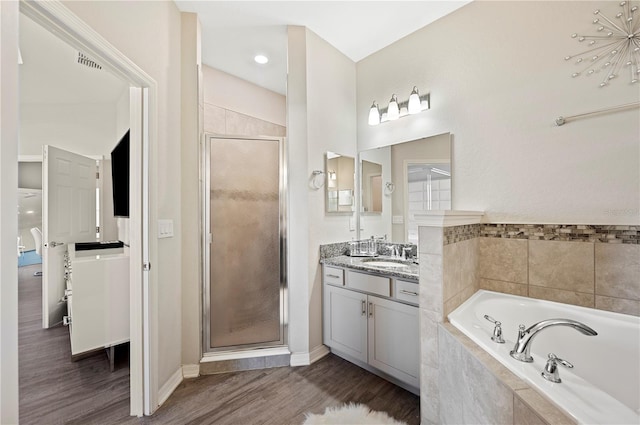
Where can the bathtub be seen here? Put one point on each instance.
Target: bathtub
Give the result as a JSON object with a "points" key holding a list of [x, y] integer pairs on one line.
{"points": [[604, 385]]}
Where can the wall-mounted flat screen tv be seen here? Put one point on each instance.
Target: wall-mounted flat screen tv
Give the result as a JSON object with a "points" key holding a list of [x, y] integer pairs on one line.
{"points": [[120, 177]]}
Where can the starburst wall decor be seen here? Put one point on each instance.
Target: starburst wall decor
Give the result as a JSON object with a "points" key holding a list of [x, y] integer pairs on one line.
{"points": [[614, 49]]}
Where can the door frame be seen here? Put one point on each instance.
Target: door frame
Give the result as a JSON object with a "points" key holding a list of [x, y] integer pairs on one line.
{"points": [[55, 17], [205, 182]]}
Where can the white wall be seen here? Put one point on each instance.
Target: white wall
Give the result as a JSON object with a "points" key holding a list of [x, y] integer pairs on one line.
{"points": [[321, 98], [192, 119], [498, 80], [148, 33], [86, 129]]}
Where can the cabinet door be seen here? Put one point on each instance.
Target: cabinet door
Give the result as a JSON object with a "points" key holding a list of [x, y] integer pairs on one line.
{"points": [[345, 321], [394, 339]]}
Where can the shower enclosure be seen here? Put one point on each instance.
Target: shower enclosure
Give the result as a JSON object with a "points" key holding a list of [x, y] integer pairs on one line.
{"points": [[244, 247]]}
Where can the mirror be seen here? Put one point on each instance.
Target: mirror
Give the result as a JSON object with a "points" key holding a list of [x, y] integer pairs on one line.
{"points": [[415, 177], [371, 180], [340, 185]]}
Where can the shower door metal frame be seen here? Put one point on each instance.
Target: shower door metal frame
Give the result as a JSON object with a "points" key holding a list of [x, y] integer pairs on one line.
{"points": [[205, 182]]}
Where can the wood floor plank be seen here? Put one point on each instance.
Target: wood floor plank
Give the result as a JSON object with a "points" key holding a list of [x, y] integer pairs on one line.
{"points": [[54, 390]]}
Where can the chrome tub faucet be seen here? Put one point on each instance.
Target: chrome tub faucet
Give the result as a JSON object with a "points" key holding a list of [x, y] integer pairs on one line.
{"points": [[522, 349]]}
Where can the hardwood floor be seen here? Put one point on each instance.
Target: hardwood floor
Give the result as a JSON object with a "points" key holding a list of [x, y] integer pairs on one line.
{"points": [[268, 396], [53, 389]]}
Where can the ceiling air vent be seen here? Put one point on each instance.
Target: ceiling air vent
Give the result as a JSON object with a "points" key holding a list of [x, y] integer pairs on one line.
{"points": [[86, 61]]}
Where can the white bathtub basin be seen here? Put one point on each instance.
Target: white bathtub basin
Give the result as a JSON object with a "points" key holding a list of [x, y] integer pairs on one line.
{"points": [[604, 385]]}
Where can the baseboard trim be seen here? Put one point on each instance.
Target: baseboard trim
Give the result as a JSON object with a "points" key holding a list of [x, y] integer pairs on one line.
{"points": [[190, 371], [317, 353], [305, 359], [170, 386]]}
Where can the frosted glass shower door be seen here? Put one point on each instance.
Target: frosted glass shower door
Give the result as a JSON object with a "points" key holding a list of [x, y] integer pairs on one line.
{"points": [[245, 305]]}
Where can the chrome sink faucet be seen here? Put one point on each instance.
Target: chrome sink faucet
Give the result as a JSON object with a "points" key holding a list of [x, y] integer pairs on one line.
{"points": [[522, 349]]}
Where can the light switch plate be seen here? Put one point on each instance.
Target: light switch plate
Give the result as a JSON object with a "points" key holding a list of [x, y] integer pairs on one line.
{"points": [[165, 229]]}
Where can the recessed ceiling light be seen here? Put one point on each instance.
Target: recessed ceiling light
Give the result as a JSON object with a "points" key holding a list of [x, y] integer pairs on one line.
{"points": [[261, 59], [29, 212]]}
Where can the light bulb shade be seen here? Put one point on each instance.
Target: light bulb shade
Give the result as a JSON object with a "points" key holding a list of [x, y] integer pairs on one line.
{"points": [[374, 114], [393, 111], [414, 102]]}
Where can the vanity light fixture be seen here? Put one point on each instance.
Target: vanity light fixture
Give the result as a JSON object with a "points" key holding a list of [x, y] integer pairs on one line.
{"points": [[414, 102], [374, 114], [393, 110], [396, 109]]}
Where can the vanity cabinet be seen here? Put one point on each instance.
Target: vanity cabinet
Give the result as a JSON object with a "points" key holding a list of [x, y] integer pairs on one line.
{"points": [[373, 331]]}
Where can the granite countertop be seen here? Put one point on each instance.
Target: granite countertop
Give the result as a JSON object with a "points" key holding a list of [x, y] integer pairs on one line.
{"points": [[410, 272]]}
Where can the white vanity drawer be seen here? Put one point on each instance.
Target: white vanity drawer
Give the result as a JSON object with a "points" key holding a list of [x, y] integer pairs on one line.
{"points": [[407, 291], [369, 283], [333, 275]]}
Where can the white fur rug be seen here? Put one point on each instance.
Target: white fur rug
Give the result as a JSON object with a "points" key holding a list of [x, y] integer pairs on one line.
{"points": [[350, 414]]}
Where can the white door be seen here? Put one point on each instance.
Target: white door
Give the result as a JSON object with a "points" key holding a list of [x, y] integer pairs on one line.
{"points": [[345, 321], [394, 339], [68, 215]]}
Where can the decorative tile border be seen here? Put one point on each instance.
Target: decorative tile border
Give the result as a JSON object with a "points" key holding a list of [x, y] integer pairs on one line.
{"points": [[563, 232], [455, 234]]}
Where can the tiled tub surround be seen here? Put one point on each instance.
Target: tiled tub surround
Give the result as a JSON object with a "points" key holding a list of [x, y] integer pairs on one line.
{"points": [[456, 261], [604, 276], [589, 392], [474, 388]]}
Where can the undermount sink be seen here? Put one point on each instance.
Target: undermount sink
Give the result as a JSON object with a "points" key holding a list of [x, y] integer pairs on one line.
{"points": [[383, 263]]}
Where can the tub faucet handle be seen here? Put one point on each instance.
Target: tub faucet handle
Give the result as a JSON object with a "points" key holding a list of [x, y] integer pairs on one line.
{"points": [[550, 372], [497, 330]]}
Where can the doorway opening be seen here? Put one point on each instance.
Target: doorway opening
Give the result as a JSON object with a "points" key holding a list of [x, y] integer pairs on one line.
{"points": [[59, 21]]}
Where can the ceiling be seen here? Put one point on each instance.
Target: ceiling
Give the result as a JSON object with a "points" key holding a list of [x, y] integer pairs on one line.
{"points": [[233, 32], [50, 72]]}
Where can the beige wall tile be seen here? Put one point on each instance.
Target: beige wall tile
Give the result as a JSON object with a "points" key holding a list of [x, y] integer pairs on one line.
{"points": [[429, 394], [214, 119], [503, 259], [240, 124], [504, 287], [618, 305], [618, 270], [449, 382], [430, 240], [562, 265], [431, 282], [428, 339], [562, 296], [460, 263], [548, 412], [523, 415]]}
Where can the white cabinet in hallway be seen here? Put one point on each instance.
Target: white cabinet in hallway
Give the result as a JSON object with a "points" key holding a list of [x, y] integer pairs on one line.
{"points": [[379, 333], [97, 298]]}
